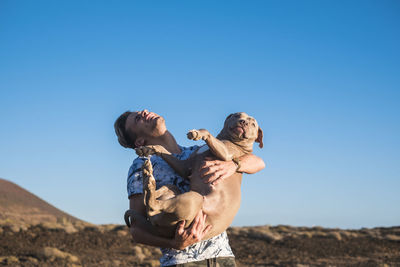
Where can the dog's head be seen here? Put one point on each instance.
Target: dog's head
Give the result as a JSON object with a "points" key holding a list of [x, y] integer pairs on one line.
{"points": [[243, 130]]}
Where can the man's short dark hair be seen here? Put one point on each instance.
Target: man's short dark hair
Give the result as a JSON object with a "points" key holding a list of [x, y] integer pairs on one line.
{"points": [[125, 138]]}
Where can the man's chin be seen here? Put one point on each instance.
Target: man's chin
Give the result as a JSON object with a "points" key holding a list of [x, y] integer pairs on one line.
{"points": [[159, 126], [159, 121]]}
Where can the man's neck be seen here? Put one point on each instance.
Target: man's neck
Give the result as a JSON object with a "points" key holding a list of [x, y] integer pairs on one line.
{"points": [[168, 141]]}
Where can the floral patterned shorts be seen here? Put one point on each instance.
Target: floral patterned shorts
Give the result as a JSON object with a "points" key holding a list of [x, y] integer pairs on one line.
{"points": [[214, 262]]}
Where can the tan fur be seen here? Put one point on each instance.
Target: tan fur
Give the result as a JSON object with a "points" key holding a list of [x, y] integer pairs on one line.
{"points": [[220, 202]]}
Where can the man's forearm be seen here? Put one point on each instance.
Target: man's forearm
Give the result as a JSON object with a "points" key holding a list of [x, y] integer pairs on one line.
{"points": [[141, 229], [250, 164], [144, 237], [144, 232]]}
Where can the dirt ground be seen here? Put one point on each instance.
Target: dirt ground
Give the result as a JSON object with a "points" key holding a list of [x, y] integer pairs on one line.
{"points": [[253, 246]]}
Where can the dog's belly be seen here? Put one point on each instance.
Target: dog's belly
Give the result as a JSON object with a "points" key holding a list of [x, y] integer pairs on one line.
{"points": [[221, 202], [223, 198]]}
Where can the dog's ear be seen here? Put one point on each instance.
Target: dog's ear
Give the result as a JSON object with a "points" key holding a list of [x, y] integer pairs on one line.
{"points": [[260, 138], [230, 115]]}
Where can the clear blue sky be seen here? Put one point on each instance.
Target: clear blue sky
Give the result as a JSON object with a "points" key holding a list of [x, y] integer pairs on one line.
{"points": [[321, 77]]}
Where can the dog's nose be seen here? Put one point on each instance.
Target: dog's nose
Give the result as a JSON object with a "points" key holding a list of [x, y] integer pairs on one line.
{"points": [[243, 122]]}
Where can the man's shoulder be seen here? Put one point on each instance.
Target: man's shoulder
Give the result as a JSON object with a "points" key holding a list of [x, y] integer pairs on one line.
{"points": [[137, 162], [187, 151]]}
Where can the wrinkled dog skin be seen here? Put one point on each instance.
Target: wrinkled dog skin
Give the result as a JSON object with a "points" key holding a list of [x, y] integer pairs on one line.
{"points": [[166, 207]]}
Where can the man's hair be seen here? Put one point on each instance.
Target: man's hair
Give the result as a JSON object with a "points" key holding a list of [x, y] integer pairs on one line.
{"points": [[125, 138]]}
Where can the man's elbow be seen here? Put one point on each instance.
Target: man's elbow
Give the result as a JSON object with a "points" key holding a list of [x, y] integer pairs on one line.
{"points": [[135, 234], [262, 165]]}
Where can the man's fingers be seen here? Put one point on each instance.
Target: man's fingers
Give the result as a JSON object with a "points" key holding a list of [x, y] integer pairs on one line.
{"points": [[210, 169], [208, 163], [192, 227], [181, 228], [215, 182], [198, 222], [208, 228], [219, 179], [212, 178], [202, 221]]}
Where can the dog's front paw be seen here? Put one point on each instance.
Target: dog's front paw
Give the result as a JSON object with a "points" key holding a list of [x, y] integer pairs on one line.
{"points": [[145, 151], [194, 135], [198, 134]]}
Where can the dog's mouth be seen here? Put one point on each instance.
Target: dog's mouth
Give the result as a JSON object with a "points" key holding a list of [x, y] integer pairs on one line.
{"points": [[239, 131]]}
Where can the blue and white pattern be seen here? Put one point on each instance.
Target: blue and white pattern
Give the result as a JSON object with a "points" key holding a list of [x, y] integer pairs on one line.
{"points": [[217, 246]]}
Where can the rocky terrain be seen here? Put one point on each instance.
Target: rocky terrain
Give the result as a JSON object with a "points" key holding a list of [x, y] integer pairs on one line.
{"points": [[46, 236], [111, 245]]}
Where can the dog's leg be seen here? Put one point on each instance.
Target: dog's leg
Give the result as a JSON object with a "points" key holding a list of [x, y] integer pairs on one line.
{"points": [[149, 189], [180, 166], [167, 191], [217, 147], [171, 210], [183, 207]]}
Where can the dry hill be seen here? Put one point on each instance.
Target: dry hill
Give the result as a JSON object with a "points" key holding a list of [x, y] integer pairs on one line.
{"points": [[20, 208]]}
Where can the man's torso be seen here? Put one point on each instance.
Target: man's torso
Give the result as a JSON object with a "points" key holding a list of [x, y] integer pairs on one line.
{"points": [[217, 246]]}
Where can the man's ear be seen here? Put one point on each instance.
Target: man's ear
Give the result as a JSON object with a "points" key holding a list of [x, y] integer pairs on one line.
{"points": [[260, 138], [139, 142]]}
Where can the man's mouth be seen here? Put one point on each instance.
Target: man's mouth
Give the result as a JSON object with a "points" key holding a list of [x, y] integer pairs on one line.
{"points": [[151, 116]]}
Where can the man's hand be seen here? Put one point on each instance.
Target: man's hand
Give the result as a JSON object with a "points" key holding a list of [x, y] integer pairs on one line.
{"points": [[214, 171], [193, 234]]}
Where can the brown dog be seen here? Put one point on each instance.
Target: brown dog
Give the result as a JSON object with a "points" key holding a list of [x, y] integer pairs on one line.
{"points": [[165, 207]]}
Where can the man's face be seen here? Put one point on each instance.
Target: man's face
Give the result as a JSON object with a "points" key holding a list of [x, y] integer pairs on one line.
{"points": [[145, 124]]}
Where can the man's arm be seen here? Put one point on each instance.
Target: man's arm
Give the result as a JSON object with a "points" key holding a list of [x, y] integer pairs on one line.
{"points": [[214, 170], [143, 231]]}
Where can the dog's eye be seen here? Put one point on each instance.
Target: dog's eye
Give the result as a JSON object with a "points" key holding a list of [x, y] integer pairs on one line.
{"points": [[253, 124]]}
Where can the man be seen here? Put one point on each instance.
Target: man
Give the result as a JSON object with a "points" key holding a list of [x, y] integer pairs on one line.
{"points": [[135, 129]]}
